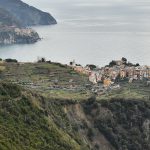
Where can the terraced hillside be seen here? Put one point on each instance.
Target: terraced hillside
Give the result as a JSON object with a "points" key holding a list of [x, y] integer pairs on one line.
{"points": [[49, 79]]}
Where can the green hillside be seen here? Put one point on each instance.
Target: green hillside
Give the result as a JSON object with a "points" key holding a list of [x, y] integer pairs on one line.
{"points": [[26, 122], [48, 106]]}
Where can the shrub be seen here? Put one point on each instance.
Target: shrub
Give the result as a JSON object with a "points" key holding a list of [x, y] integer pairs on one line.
{"points": [[11, 60], [91, 66], [41, 60]]}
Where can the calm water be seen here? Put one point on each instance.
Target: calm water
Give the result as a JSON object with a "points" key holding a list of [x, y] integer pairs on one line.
{"points": [[90, 32]]}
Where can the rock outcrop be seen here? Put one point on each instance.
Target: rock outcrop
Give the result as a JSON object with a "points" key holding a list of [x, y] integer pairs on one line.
{"points": [[12, 35]]}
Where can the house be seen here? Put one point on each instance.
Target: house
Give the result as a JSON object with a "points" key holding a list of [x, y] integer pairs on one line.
{"points": [[119, 62], [107, 83], [79, 69], [92, 78], [123, 74]]}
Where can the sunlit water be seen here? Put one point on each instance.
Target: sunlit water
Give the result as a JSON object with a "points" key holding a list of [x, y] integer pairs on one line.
{"points": [[88, 31]]}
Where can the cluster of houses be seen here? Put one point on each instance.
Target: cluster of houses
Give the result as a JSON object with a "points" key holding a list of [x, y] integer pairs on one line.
{"points": [[115, 71]]}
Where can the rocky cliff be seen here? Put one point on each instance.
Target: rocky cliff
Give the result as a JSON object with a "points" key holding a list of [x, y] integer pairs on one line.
{"points": [[15, 35]]}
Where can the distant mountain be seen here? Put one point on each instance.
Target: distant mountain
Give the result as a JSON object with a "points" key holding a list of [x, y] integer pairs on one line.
{"points": [[25, 14], [15, 17]]}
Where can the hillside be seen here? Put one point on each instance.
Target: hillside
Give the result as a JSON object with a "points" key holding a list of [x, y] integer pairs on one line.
{"points": [[29, 121], [6, 19], [26, 122], [48, 105]]}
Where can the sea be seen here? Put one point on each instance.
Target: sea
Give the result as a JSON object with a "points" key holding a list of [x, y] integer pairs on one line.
{"points": [[89, 32]]}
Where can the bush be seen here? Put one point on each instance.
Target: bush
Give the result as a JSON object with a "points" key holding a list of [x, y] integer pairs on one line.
{"points": [[9, 89], [90, 134], [112, 63]]}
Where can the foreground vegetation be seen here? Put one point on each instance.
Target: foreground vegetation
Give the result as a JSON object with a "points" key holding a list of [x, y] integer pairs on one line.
{"points": [[48, 106], [28, 122]]}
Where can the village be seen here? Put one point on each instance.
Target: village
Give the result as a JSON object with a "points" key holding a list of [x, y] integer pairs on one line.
{"points": [[52, 77], [110, 76]]}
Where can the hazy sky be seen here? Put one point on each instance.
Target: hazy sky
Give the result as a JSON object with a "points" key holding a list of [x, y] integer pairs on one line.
{"points": [[127, 12]]}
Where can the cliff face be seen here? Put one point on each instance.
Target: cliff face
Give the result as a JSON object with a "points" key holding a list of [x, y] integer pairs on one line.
{"points": [[18, 36], [25, 14]]}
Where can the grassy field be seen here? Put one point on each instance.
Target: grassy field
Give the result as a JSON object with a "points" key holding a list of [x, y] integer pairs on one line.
{"points": [[136, 90]]}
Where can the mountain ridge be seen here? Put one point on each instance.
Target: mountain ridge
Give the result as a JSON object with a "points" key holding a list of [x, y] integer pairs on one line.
{"points": [[27, 15]]}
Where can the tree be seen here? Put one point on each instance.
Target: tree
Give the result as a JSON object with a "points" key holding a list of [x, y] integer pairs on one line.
{"points": [[91, 66], [71, 63], [137, 64], [124, 59], [112, 63], [41, 59]]}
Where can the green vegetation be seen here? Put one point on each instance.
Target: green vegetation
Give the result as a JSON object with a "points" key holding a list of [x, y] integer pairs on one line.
{"points": [[124, 123]]}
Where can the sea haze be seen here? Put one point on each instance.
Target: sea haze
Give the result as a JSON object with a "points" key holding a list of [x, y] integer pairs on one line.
{"points": [[88, 31]]}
